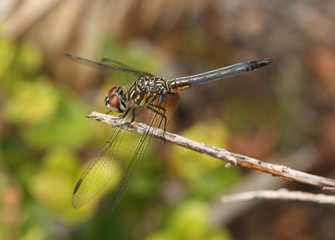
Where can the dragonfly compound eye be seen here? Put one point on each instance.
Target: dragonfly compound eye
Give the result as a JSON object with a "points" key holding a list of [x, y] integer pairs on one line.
{"points": [[115, 100], [113, 103], [112, 91]]}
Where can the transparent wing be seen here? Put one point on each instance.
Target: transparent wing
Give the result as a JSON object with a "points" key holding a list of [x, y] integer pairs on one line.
{"points": [[107, 65], [157, 117], [105, 165], [107, 162]]}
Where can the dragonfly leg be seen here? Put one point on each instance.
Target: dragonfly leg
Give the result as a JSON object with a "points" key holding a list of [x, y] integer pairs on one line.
{"points": [[133, 115], [152, 108], [162, 114], [159, 107], [125, 114]]}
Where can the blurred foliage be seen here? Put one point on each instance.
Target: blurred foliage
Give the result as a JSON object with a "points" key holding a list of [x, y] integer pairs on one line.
{"points": [[189, 221], [43, 128]]}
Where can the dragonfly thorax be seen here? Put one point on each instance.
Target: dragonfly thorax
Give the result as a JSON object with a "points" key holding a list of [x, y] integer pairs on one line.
{"points": [[116, 100], [146, 89], [152, 85]]}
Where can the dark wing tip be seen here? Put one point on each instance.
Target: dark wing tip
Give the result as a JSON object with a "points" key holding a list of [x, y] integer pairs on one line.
{"points": [[77, 186], [74, 202]]}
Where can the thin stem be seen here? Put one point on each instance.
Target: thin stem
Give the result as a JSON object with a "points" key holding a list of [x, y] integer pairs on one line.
{"points": [[281, 194]]}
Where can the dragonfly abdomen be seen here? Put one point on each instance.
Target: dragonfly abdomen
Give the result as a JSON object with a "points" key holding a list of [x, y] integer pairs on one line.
{"points": [[182, 83]]}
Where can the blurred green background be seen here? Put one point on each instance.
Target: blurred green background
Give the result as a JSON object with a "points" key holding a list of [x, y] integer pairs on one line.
{"points": [[283, 113]]}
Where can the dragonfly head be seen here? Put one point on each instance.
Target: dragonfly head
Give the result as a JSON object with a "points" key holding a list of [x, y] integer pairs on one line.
{"points": [[116, 100]]}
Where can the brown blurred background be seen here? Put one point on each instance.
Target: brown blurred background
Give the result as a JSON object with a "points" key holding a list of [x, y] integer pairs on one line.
{"points": [[283, 113]]}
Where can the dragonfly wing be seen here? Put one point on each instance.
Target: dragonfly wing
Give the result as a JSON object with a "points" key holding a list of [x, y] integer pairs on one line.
{"points": [[108, 161], [135, 71], [107, 65], [134, 164], [152, 119], [105, 165]]}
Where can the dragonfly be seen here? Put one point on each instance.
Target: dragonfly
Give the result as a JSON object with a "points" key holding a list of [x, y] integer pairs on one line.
{"points": [[149, 99]]}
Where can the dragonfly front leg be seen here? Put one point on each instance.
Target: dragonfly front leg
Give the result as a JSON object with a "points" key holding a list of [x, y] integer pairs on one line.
{"points": [[125, 114]]}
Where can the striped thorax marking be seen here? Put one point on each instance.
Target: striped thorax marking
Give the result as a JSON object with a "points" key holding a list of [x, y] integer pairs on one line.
{"points": [[147, 89]]}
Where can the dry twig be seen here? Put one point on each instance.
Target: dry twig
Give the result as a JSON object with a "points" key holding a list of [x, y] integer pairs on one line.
{"points": [[281, 194], [232, 158]]}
